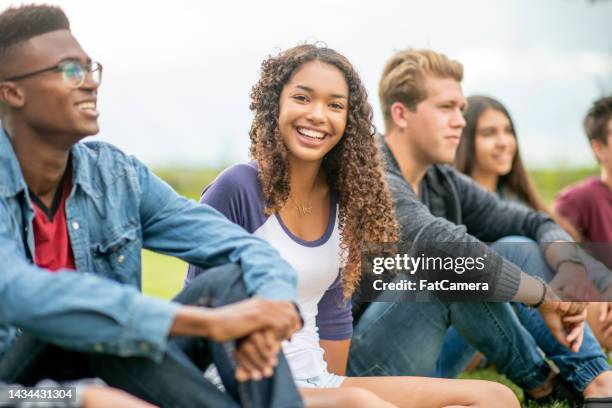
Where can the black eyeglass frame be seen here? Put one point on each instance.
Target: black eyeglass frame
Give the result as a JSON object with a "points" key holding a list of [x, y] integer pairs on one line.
{"points": [[90, 67]]}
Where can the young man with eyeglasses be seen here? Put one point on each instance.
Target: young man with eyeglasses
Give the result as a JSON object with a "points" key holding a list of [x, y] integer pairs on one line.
{"points": [[87, 208]]}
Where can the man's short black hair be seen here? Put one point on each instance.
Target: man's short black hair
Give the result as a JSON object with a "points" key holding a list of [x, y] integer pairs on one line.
{"points": [[596, 120], [19, 24]]}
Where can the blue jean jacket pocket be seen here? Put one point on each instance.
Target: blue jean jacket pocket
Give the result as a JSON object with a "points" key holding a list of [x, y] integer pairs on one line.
{"points": [[118, 257]]}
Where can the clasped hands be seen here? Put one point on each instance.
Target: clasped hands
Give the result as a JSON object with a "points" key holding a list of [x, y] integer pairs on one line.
{"points": [[572, 283], [259, 326]]}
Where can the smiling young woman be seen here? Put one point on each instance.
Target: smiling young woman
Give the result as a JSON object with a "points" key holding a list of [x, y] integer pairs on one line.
{"points": [[489, 152], [316, 192]]}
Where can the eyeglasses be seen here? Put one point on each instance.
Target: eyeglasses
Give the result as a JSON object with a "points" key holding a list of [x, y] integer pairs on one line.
{"points": [[74, 72]]}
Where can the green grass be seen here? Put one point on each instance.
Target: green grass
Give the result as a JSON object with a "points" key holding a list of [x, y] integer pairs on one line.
{"points": [[188, 181], [163, 276], [492, 375]]}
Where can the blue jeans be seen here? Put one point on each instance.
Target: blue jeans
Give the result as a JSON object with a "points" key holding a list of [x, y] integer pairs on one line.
{"points": [[175, 382], [577, 369], [405, 338]]}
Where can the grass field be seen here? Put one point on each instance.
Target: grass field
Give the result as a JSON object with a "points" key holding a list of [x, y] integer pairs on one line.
{"points": [[492, 375], [163, 276]]}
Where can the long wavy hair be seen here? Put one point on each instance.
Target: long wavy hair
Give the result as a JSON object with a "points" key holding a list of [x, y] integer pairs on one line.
{"points": [[517, 180], [352, 168]]}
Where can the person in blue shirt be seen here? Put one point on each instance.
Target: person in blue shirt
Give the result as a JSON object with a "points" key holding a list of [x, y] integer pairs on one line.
{"points": [[116, 207]]}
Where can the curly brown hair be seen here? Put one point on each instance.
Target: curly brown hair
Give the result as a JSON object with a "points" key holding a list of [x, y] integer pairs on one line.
{"points": [[352, 168]]}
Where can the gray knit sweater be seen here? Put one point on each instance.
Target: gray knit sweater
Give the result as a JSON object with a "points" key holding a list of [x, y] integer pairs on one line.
{"points": [[452, 208]]}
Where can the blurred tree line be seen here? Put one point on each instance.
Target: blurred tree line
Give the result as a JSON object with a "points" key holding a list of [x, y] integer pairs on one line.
{"points": [[190, 182]]}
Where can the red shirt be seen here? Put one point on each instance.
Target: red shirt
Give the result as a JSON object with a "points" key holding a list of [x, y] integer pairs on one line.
{"points": [[588, 206], [52, 243]]}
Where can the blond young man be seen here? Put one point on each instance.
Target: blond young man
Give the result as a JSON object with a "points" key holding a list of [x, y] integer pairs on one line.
{"points": [[422, 102]]}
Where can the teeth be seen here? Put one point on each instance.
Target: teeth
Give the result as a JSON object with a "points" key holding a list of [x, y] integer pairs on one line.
{"points": [[87, 105], [311, 133]]}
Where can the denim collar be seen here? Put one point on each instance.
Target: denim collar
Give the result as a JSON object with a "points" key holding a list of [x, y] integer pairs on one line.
{"points": [[12, 182], [11, 179]]}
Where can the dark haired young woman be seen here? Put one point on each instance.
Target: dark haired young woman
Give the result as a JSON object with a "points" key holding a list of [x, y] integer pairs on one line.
{"points": [[316, 193], [489, 153]]}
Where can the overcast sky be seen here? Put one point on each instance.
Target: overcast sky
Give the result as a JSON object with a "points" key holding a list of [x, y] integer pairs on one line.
{"points": [[177, 75]]}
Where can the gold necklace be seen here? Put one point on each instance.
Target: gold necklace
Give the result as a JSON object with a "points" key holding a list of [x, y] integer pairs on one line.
{"points": [[303, 209]]}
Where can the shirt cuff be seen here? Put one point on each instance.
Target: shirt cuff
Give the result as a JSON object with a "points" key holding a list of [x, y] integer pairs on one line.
{"points": [[277, 291], [507, 283], [342, 332], [598, 273], [149, 326], [550, 233]]}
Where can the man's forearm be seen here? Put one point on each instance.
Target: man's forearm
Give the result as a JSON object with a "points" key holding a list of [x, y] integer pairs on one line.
{"points": [[192, 321], [531, 290]]}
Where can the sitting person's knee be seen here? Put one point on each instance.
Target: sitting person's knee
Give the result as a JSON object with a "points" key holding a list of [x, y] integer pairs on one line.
{"points": [[216, 286], [516, 239], [496, 394]]}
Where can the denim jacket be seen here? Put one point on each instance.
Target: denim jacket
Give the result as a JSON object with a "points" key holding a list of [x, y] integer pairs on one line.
{"points": [[115, 208]]}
